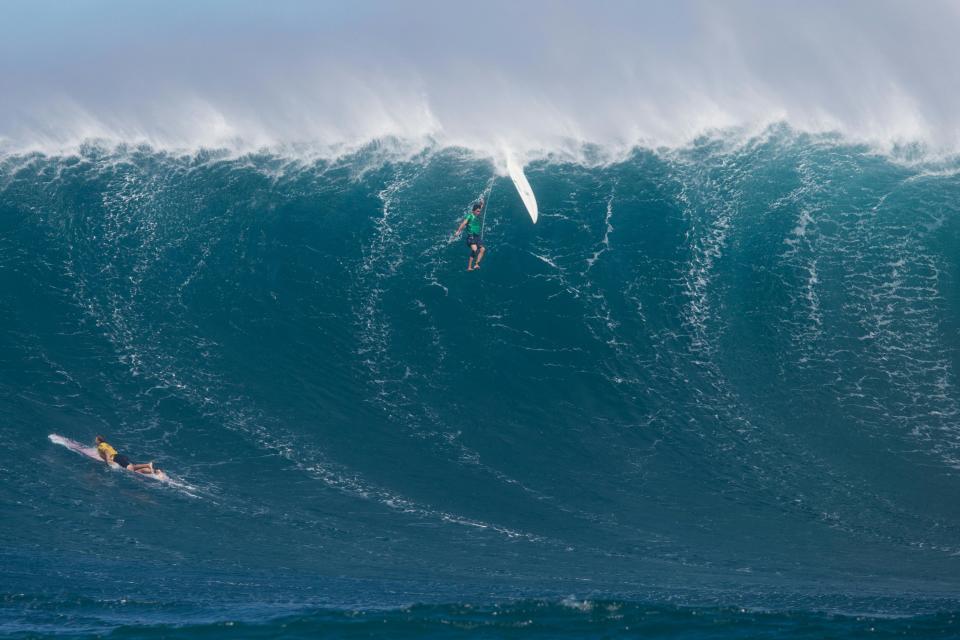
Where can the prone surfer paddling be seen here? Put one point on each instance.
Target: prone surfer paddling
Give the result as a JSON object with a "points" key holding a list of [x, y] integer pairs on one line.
{"points": [[109, 454], [474, 224]]}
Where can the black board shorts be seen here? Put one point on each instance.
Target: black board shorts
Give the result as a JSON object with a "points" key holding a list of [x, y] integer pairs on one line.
{"points": [[474, 238], [122, 460]]}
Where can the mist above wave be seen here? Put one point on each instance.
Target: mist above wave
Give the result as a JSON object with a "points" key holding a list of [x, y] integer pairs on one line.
{"points": [[537, 77]]}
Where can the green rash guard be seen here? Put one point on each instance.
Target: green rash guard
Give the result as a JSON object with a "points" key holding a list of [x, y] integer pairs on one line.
{"points": [[473, 223]]}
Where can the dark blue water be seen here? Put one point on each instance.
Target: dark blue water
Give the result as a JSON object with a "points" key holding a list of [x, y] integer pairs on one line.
{"points": [[712, 393]]}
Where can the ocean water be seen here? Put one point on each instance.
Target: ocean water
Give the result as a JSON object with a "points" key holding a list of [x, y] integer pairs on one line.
{"points": [[712, 393]]}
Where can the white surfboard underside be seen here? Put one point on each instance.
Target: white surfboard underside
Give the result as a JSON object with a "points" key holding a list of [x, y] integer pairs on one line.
{"points": [[523, 187]]}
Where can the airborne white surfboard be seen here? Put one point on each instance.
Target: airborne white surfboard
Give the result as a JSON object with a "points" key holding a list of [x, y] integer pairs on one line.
{"points": [[523, 187]]}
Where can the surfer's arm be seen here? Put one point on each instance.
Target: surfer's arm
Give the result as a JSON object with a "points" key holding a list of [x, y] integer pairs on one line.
{"points": [[460, 228]]}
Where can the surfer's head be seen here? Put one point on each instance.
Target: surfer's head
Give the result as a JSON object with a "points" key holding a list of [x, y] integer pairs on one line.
{"points": [[478, 206], [101, 439]]}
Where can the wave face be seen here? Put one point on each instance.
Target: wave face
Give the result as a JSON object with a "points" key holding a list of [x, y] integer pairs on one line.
{"points": [[720, 376]]}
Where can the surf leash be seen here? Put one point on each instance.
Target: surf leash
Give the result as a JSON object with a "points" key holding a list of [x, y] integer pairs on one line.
{"points": [[486, 201]]}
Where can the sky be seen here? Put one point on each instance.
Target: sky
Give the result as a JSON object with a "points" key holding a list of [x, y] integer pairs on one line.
{"points": [[537, 76]]}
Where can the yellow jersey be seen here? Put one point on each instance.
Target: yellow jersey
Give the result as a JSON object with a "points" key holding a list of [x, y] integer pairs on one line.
{"points": [[105, 449]]}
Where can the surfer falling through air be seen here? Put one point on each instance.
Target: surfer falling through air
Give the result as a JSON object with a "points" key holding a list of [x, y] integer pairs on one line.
{"points": [[474, 224], [474, 220]]}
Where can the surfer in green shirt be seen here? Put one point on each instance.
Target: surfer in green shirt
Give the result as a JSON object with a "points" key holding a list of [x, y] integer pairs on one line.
{"points": [[474, 225]]}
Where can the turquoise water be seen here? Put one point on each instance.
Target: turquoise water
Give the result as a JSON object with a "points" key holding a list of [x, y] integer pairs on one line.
{"points": [[537, 619], [711, 394]]}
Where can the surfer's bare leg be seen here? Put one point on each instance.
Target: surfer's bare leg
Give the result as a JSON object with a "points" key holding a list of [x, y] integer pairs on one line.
{"points": [[142, 468], [473, 252], [480, 257]]}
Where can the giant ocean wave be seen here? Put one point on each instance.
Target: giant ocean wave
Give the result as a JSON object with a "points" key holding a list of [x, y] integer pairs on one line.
{"points": [[722, 374]]}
